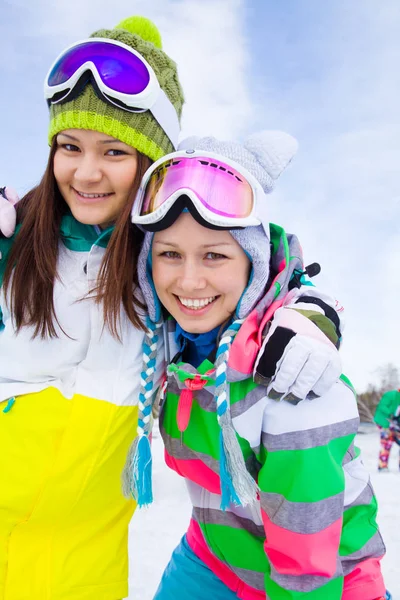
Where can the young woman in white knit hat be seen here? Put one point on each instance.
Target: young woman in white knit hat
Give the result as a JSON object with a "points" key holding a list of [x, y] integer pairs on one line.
{"points": [[282, 505]]}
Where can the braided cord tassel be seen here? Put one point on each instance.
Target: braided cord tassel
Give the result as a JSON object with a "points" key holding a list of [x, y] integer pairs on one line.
{"points": [[137, 474], [237, 485]]}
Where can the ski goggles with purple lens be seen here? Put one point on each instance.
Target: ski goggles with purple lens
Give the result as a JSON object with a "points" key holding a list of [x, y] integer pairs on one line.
{"points": [[223, 192], [118, 73]]}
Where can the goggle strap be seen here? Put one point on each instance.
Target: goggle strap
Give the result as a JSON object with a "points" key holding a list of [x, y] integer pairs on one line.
{"points": [[165, 114]]}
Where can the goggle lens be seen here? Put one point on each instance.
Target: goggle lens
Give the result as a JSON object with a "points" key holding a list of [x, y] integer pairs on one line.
{"points": [[218, 186], [118, 68]]}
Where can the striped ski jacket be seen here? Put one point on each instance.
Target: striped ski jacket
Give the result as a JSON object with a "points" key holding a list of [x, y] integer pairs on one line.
{"points": [[312, 534]]}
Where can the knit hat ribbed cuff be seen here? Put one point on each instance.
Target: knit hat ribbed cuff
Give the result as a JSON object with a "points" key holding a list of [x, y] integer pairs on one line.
{"points": [[109, 126]]}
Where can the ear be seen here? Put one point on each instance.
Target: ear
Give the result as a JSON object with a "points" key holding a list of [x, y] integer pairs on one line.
{"points": [[274, 150]]}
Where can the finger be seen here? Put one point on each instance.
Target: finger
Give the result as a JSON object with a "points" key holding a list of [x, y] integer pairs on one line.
{"points": [[329, 377], [11, 195], [291, 364], [311, 372]]}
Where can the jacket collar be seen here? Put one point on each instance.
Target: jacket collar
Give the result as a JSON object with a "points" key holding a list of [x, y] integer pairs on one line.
{"points": [[80, 238]]}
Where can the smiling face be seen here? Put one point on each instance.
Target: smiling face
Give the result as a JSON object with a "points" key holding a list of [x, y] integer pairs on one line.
{"points": [[199, 273], [95, 174]]}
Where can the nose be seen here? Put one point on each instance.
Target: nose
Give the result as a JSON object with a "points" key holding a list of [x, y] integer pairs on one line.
{"points": [[191, 277], [88, 169]]}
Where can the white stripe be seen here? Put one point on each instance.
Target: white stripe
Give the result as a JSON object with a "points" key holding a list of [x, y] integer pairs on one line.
{"points": [[356, 478], [336, 406], [203, 499], [248, 424]]}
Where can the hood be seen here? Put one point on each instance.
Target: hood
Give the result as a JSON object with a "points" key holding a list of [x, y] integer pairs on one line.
{"points": [[286, 259], [286, 262]]}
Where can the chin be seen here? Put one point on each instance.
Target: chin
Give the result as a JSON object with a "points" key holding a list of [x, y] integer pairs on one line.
{"points": [[88, 218], [197, 327]]}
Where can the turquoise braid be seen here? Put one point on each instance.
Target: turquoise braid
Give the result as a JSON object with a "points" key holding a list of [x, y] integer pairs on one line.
{"points": [[237, 485], [136, 477], [147, 377]]}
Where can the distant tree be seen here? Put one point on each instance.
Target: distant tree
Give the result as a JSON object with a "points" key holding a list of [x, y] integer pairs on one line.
{"points": [[389, 376]]}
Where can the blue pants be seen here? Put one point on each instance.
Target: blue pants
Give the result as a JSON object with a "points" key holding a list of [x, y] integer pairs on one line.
{"points": [[187, 577]]}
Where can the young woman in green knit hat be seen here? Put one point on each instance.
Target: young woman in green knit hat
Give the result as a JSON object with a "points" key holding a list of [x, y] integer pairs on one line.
{"points": [[72, 323]]}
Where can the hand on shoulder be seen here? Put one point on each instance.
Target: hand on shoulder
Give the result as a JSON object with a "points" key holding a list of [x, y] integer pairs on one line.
{"points": [[8, 214]]}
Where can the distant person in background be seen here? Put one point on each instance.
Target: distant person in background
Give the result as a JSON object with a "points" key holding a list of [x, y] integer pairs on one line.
{"points": [[387, 417]]}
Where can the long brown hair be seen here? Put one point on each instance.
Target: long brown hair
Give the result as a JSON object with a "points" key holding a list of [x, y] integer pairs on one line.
{"points": [[32, 263]]}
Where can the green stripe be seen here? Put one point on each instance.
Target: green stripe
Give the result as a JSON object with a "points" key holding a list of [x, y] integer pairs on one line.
{"points": [[308, 475], [203, 431], [330, 591], [237, 547], [347, 381], [239, 390], [359, 526], [276, 233]]}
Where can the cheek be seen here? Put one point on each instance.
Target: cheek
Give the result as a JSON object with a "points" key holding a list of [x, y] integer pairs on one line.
{"points": [[125, 178], [238, 281], [58, 169], [159, 277]]}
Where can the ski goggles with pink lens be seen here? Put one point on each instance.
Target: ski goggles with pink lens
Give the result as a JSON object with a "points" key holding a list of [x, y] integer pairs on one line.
{"points": [[223, 193], [119, 75]]}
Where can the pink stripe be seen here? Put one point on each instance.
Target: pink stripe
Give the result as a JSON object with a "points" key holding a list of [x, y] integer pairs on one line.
{"points": [[199, 546], [281, 267], [245, 346], [248, 341], [268, 316], [195, 470], [365, 581], [302, 554]]}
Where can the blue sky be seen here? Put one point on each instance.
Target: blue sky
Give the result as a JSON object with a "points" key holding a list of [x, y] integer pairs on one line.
{"points": [[326, 72]]}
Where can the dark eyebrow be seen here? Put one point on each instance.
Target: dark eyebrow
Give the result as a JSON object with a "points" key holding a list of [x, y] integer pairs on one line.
{"points": [[112, 141], [71, 137], [165, 243], [205, 246], [216, 245]]}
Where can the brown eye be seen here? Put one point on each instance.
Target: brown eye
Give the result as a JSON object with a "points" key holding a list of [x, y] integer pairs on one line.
{"points": [[170, 254], [215, 256]]}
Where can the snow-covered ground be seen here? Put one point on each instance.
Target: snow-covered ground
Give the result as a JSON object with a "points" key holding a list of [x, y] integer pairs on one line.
{"points": [[157, 530]]}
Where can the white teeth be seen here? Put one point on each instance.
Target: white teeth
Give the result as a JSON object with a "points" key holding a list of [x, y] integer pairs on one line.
{"points": [[92, 195], [196, 303]]}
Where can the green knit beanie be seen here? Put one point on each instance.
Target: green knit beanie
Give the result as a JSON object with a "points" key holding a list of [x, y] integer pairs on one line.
{"points": [[139, 130]]}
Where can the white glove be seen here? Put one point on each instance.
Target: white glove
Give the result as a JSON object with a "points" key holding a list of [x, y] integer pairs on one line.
{"points": [[306, 367], [296, 359], [8, 214]]}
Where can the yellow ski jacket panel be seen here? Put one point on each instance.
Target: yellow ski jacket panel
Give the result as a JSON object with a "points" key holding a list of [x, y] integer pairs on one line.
{"points": [[63, 444]]}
